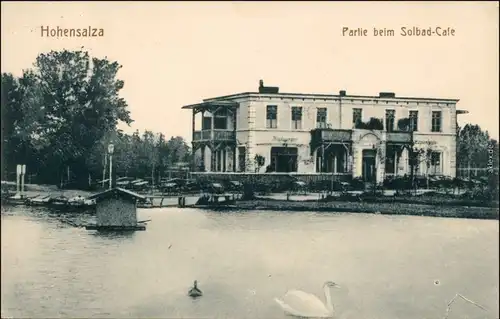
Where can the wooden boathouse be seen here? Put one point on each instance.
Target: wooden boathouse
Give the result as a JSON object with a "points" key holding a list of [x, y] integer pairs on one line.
{"points": [[116, 209]]}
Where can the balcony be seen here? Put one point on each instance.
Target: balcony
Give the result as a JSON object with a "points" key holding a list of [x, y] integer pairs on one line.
{"points": [[213, 135], [332, 135], [399, 137], [320, 136]]}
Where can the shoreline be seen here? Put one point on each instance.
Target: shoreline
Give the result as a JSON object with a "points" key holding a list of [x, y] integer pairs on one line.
{"points": [[442, 206], [383, 208]]}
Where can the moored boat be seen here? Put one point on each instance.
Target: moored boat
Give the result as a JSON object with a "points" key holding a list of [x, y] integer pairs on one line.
{"points": [[39, 200], [76, 201], [60, 201], [17, 199]]}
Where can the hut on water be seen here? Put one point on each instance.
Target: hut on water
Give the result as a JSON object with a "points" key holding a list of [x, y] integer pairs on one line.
{"points": [[116, 208]]}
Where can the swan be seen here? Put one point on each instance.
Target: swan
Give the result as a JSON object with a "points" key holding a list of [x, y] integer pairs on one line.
{"points": [[195, 292], [302, 304]]}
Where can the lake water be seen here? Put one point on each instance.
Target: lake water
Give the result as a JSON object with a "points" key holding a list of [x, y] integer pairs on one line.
{"points": [[388, 267]]}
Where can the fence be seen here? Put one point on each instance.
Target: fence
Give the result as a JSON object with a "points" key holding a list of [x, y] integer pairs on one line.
{"points": [[476, 172], [270, 178]]}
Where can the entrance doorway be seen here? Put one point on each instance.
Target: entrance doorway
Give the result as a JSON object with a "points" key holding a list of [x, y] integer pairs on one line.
{"points": [[284, 159], [369, 169]]}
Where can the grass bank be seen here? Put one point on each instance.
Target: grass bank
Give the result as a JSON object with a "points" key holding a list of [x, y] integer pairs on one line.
{"points": [[386, 208]]}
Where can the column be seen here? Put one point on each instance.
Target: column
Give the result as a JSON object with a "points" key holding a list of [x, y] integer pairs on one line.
{"points": [[404, 159], [213, 159], [335, 163], [235, 140], [203, 158], [192, 137], [212, 127], [323, 159], [396, 163], [357, 162], [250, 165], [224, 160], [235, 158]]}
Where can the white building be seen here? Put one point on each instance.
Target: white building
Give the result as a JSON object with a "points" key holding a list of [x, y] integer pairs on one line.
{"points": [[318, 133]]}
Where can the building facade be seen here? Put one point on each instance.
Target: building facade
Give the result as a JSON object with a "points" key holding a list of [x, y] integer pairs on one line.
{"points": [[361, 136]]}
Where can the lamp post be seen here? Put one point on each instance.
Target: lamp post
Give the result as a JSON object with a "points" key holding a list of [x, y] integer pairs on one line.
{"points": [[23, 173], [111, 148]]}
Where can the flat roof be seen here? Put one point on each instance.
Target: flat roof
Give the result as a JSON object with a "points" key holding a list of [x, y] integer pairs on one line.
{"points": [[211, 104], [318, 95]]}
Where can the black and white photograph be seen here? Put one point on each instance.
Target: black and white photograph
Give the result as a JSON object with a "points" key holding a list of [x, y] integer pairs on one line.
{"points": [[250, 160]]}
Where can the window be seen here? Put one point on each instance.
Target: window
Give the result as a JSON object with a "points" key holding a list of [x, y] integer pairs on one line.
{"points": [[321, 117], [389, 120], [241, 159], [390, 160], [284, 159], [220, 119], [413, 121], [357, 116], [272, 116], [207, 123], [435, 163], [296, 117], [436, 121]]}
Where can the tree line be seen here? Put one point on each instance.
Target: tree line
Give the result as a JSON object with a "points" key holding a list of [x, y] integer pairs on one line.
{"points": [[59, 116]]}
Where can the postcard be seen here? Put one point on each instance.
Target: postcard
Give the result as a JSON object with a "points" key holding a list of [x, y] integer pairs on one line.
{"points": [[229, 159]]}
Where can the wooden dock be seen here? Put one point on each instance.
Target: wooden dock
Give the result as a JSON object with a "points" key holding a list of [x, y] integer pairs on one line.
{"points": [[116, 228], [163, 201]]}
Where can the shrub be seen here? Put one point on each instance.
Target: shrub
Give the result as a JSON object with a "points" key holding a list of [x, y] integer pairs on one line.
{"points": [[373, 124], [397, 183], [357, 184]]}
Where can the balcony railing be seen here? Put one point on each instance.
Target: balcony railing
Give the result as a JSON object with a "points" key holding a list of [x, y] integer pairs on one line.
{"points": [[398, 137], [219, 135], [332, 135]]}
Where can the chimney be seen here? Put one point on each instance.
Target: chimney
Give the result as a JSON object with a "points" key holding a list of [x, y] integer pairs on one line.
{"points": [[268, 89], [387, 94], [342, 93]]}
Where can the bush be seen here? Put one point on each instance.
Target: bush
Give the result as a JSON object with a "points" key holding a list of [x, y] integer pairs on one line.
{"points": [[248, 192], [397, 183], [357, 184], [326, 185], [372, 124]]}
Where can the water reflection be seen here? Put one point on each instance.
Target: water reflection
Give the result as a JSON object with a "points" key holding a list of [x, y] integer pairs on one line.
{"points": [[110, 234], [387, 267]]}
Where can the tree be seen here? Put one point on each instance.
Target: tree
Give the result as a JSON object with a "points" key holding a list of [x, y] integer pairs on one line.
{"points": [[404, 124], [21, 120], [472, 148], [59, 109], [423, 155], [372, 124], [179, 150], [259, 162]]}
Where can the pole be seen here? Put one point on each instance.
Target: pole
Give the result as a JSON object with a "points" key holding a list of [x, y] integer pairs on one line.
{"points": [[23, 173], [18, 178], [110, 171], [104, 169], [412, 160], [153, 177]]}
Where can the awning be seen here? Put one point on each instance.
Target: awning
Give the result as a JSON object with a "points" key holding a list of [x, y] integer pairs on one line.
{"points": [[211, 105]]}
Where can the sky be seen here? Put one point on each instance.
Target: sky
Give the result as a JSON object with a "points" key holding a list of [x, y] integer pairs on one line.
{"points": [[178, 53]]}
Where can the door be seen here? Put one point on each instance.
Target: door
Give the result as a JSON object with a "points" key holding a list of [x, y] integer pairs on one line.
{"points": [[369, 169], [284, 159]]}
